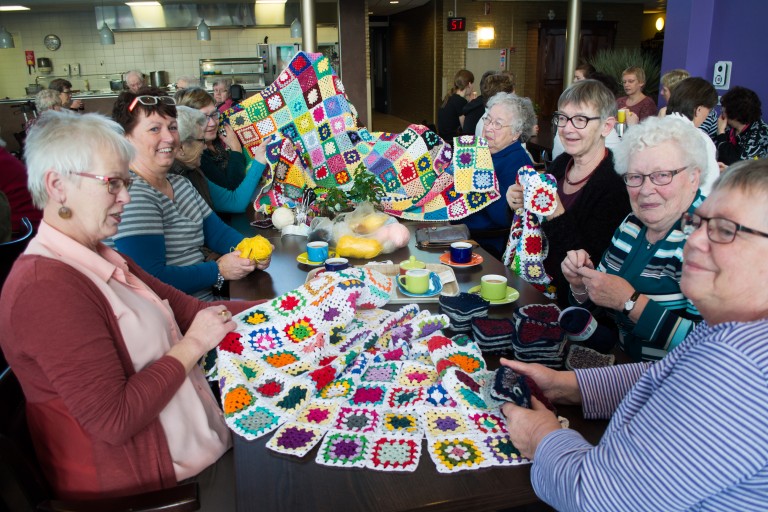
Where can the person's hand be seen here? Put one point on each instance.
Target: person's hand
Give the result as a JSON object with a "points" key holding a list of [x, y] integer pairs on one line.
{"points": [[264, 264], [230, 139], [570, 266], [515, 196], [558, 386], [76, 104], [233, 267], [722, 123], [632, 118], [208, 328], [606, 290], [260, 152], [721, 166], [527, 427]]}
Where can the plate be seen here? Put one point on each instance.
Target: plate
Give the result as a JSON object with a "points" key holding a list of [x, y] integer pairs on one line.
{"points": [[512, 295], [435, 287], [446, 259], [302, 258]]}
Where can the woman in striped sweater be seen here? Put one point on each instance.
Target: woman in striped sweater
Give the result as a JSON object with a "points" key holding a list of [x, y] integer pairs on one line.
{"points": [[688, 432], [638, 279]]}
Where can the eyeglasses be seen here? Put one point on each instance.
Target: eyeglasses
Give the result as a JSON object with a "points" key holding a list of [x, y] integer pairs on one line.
{"points": [[114, 184], [493, 123], [578, 121], [657, 178], [719, 230], [67, 92], [213, 116], [150, 100]]}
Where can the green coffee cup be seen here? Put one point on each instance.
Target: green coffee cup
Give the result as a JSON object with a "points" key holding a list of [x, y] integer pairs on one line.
{"points": [[415, 281], [493, 287]]}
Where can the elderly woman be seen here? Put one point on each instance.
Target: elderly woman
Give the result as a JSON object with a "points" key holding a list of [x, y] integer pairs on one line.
{"points": [[223, 161], [693, 99], [637, 281], [134, 80], [639, 105], [741, 133], [591, 198], [508, 117], [167, 222], [47, 99], [64, 88], [105, 353], [675, 440], [221, 94], [191, 128]]}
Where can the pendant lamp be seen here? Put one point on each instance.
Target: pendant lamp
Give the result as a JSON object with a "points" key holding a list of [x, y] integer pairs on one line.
{"points": [[106, 36], [6, 39], [203, 31]]}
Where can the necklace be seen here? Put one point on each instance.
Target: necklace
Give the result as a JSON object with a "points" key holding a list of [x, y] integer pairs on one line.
{"points": [[582, 180]]}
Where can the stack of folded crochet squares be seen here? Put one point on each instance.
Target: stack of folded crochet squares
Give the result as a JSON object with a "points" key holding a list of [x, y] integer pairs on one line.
{"points": [[462, 309], [494, 336], [540, 339]]}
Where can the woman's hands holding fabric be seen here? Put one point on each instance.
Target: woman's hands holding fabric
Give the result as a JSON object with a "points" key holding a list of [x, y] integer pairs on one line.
{"points": [[208, 328], [230, 139], [260, 152], [574, 260], [606, 290], [233, 267], [527, 427], [515, 196], [558, 387]]}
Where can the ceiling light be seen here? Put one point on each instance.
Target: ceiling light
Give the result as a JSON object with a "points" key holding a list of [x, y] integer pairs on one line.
{"points": [[106, 36], [13, 8], [659, 23], [203, 31], [139, 4], [270, 1], [295, 28], [485, 34], [6, 39], [394, 1]]}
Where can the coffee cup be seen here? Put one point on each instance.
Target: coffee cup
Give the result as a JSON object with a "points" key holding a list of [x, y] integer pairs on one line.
{"points": [[336, 264], [461, 252], [493, 287], [317, 251], [415, 281]]}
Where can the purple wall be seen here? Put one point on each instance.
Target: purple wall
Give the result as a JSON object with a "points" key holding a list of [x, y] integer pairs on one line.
{"points": [[699, 33]]}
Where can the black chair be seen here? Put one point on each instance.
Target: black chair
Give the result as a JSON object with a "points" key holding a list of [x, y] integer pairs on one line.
{"points": [[237, 93], [11, 250], [23, 486]]}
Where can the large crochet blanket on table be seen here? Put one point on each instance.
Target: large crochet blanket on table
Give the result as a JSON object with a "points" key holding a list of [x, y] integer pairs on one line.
{"points": [[321, 365], [315, 142]]}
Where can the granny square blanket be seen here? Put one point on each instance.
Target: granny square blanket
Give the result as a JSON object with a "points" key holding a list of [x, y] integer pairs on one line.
{"points": [[322, 367], [314, 141]]}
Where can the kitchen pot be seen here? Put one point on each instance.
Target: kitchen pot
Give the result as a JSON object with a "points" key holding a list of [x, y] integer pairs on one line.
{"points": [[158, 78], [116, 85], [44, 65]]}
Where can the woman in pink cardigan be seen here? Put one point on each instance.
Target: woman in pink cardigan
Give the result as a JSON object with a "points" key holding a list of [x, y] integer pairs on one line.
{"points": [[106, 354]]}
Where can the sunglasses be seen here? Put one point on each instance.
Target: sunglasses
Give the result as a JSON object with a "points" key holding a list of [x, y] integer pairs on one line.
{"points": [[150, 100]]}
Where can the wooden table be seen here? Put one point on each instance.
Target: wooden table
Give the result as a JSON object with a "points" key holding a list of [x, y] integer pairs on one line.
{"points": [[267, 481]]}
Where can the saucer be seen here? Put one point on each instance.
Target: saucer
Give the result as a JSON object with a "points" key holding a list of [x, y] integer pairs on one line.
{"points": [[302, 258], [446, 259], [512, 295], [435, 287]]}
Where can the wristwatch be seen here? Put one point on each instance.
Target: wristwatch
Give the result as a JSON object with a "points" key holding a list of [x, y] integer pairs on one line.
{"points": [[630, 304]]}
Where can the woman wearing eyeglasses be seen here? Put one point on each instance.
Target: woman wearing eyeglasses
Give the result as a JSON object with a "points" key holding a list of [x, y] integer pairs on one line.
{"points": [[167, 222], [638, 279], [223, 161], [688, 432], [508, 119], [106, 354], [591, 198]]}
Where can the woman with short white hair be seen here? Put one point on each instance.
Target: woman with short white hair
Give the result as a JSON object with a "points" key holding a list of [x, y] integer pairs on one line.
{"points": [[221, 94]]}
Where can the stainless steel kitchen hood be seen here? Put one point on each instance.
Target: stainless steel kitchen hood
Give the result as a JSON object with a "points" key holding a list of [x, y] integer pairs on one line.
{"points": [[232, 15]]}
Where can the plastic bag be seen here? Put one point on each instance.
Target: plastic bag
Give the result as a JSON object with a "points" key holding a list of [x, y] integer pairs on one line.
{"points": [[364, 222]]}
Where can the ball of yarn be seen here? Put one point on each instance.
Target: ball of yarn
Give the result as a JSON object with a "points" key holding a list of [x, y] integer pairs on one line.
{"points": [[283, 217], [392, 237]]}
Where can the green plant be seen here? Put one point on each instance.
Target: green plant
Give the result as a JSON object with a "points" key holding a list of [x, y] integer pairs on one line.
{"points": [[331, 201], [365, 187], [614, 62]]}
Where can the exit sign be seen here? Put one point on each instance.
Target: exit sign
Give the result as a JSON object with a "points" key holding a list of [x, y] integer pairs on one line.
{"points": [[457, 24]]}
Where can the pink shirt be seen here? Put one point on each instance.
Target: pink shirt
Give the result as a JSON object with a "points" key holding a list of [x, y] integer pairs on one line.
{"points": [[194, 425]]}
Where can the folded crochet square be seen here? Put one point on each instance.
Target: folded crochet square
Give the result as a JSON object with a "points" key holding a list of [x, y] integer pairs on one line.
{"points": [[531, 331], [580, 357], [546, 313], [508, 386]]}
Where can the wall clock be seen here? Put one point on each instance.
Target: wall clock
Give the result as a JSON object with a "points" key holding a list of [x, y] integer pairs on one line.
{"points": [[52, 42]]}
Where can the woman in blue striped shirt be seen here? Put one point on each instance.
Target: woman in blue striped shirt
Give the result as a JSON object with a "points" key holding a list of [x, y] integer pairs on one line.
{"points": [[638, 279], [687, 432]]}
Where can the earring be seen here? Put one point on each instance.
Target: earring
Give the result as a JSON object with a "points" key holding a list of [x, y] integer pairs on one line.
{"points": [[65, 212]]}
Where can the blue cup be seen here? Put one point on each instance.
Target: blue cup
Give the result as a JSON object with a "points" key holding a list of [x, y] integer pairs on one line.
{"points": [[336, 264], [461, 252], [317, 252]]}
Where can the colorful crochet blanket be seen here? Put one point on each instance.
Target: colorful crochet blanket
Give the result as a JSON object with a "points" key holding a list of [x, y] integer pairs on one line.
{"points": [[315, 142], [527, 246], [321, 365]]}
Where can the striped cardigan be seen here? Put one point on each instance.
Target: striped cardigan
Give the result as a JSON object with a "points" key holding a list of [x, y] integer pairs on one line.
{"points": [[669, 316]]}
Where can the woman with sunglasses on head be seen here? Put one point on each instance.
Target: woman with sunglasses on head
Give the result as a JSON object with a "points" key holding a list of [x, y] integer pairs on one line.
{"points": [[591, 198], [168, 222], [686, 432], [223, 161], [662, 161], [106, 354]]}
